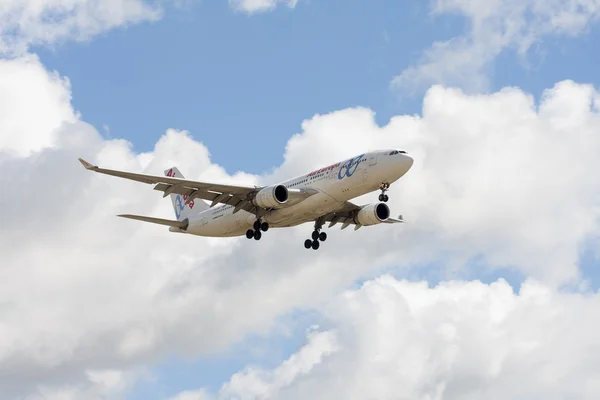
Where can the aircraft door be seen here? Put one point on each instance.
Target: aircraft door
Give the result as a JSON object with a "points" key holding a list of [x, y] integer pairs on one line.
{"points": [[372, 159]]}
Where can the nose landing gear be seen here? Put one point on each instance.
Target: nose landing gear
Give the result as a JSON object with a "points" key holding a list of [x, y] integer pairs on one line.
{"points": [[384, 188], [256, 232]]}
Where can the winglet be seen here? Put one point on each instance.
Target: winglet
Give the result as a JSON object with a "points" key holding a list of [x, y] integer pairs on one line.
{"points": [[86, 164]]}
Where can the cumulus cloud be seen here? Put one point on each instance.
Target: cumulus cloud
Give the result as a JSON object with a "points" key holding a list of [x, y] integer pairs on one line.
{"points": [[192, 395], [395, 339], [258, 6], [495, 177], [26, 22], [106, 384], [29, 90], [255, 383], [493, 27]]}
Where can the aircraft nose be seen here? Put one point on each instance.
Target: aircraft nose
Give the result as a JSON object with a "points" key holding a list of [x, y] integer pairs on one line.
{"points": [[406, 162]]}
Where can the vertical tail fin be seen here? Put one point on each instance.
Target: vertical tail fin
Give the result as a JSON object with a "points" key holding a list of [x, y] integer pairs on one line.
{"points": [[183, 210]]}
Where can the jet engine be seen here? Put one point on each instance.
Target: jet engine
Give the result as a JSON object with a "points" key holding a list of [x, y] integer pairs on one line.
{"points": [[271, 197], [372, 214]]}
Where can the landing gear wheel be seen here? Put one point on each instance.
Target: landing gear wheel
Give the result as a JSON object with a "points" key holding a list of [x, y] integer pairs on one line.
{"points": [[249, 233], [264, 227], [256, 225], [317, 235], [257, 235], [384, 188]]}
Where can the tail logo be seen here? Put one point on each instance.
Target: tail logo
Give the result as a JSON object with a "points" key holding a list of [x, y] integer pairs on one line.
{"points": [[181, 203], [179, 208]]}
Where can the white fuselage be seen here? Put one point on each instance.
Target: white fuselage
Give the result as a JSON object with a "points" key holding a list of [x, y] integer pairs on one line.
{"points": [[334, 184]]}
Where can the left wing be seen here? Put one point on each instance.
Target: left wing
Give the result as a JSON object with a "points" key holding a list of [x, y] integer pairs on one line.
{"points": [[240, 197], [347, 214]]}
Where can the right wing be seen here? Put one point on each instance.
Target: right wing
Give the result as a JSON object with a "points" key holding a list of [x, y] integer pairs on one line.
{"points": [[347, 214], [240, 197]]}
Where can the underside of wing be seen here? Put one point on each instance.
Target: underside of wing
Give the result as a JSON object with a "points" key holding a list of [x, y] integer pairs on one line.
{"points": [[234, 195], [170, 181], [237, 196]]}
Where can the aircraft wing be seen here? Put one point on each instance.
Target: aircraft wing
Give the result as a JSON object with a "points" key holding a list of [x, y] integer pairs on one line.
{"points": [[347, 213], [238, 196]]}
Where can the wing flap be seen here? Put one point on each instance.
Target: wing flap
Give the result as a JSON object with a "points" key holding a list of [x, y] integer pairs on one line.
{"points": [[214, 198], [187, 191]]}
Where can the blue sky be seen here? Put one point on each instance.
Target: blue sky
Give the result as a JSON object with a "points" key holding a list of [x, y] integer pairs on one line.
{"points": [[240, 82], [221, 74]]}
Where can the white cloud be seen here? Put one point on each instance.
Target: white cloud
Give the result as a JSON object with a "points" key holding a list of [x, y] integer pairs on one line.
{"points": [[459, 340], [254, 383], [258, 6], [28, 22], [29, 90], [192, 395], [83, 291], [493, 27], [108, 384]]}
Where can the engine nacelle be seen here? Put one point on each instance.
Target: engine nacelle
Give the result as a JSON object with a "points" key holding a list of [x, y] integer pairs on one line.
{"points": [[271, 197], [373, 214]]}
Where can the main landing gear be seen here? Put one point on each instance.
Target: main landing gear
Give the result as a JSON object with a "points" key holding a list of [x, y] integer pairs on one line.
{"points": [[256, 232], [316, 237], [384, 188]]}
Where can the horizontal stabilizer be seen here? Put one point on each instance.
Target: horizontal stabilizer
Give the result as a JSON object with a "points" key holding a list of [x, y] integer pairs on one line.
{"points": [[176, 224]]}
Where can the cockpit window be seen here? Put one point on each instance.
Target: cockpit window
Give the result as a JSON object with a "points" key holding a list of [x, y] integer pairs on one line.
{"points": [[393, 153]]}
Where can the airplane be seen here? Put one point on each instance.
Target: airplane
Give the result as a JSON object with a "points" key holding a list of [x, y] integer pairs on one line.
{"points": [[320, 196]]}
